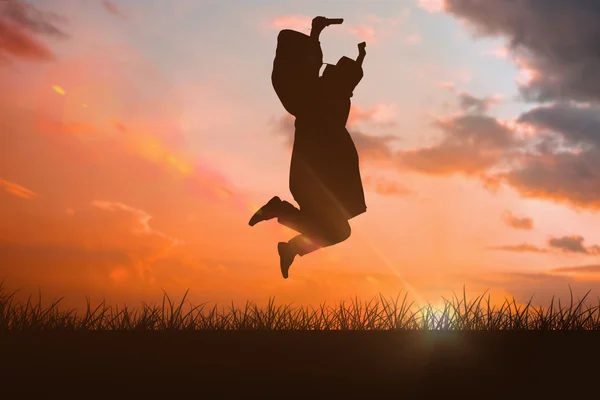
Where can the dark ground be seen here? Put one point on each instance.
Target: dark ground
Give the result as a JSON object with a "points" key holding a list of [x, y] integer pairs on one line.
{"points": [[302, 364]]}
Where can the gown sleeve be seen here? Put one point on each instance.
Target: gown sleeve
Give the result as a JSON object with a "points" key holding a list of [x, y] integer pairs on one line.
{"points": [[350, 74], [295, 75]]}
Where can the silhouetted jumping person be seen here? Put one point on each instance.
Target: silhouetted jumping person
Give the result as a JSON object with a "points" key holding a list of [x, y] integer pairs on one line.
{"points": [[325, 178]]}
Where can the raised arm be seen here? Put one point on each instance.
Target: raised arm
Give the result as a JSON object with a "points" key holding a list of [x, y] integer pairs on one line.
{"points": [[320, 23], [361, 53]]}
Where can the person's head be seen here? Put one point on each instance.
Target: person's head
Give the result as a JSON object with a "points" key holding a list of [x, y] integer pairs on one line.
{"points": [[343, 76]]}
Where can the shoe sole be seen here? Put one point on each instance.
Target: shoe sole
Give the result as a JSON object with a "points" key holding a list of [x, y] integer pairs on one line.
{"points": [[258, 216]]}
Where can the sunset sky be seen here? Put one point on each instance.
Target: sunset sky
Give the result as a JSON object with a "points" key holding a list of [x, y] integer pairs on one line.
{"points": [[137, 137]]}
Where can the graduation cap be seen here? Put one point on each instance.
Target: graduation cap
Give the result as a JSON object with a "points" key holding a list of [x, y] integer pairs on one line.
{"points": [[346, 73]]}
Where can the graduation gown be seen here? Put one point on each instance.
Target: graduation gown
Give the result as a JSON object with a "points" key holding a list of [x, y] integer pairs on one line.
{"points": [[324, 170]]}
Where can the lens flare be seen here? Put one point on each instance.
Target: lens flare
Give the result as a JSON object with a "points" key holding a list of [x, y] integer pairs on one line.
{"points": [[59, 90]]}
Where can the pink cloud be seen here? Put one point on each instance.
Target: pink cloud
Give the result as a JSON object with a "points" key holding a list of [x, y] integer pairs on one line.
{"points": [[527, 74], [372, 30], [375, 29], [380, 114], [18, 190], [365, 33], [432, 6], [500, 52], [300, 23]]}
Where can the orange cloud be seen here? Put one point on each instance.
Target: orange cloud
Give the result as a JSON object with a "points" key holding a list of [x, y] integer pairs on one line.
{"points": [[134, 243], [581, 269], [516, 222], [18, 190], [385, 187], [566, 244], [98, 245], [520, 248], [141, 218], [380, 114]]}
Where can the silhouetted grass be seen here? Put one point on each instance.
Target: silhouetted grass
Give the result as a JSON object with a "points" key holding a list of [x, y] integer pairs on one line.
{"points": [[380, 313]]}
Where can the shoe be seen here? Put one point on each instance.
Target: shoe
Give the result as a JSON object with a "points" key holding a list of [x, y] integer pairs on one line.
{"points": [[266, 212], [286, 257]]}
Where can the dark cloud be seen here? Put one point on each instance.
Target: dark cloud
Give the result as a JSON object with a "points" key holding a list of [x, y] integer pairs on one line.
{"points": [[519, 248], [582, 269], [569, 244], [472, 144], [17, 42], [566, 177], [578, 126], [572, 244], [470, 103], [373, 147], [562, 161], [560, 41], [30, 18], [479, 130], [557, 38], [565, 244], [511, 220], [20, 23]]}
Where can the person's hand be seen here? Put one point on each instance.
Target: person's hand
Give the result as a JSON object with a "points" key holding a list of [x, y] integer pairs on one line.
{"points": [[361, 47], [319, 23]]}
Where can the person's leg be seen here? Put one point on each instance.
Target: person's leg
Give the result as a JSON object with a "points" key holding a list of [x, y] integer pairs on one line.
{"points": [[286, 213], [319, 231], [291, 217], [269, 211]]}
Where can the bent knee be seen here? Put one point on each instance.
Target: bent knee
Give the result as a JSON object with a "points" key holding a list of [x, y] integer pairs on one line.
{"points": [[340, 232]]}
